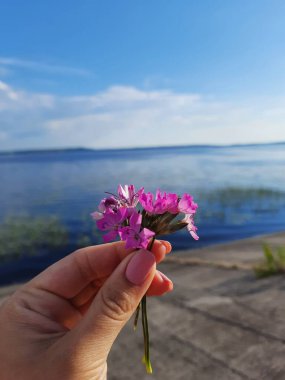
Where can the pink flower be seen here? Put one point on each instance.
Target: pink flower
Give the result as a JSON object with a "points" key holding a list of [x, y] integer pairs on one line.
{"points": [[128, 195], [111, 221], [133, 235], [146, 200], [107, 204], [171, 203], [190, 226], [97, 215], [164, 202], [187, 205]]}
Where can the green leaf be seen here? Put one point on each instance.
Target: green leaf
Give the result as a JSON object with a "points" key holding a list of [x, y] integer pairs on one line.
{"points": [[269, 257], [167, 217], [281, 255], [172, 228]]}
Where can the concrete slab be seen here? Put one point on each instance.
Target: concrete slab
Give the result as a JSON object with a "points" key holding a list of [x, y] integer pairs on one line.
{"points": [[217, 324]]}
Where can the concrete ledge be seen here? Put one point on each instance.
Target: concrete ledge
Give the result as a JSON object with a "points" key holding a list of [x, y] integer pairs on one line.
{"points": [[217, 324]]}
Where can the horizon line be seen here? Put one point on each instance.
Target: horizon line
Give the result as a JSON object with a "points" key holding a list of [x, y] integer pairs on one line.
{"points": [[47, 150]]}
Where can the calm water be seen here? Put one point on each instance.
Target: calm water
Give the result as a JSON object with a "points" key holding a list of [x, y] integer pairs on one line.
{"points": [[240, 190]]}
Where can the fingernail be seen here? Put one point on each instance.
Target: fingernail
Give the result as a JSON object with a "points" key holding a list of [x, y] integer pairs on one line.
{"points": [[167, 245], [139, 266]]}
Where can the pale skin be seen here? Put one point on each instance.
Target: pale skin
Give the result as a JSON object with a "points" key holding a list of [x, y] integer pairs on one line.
{"points": [[62, 324]]}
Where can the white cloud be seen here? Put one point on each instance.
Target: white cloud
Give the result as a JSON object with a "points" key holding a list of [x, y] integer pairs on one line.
{"points": [[40, 66], [124, 116], [7, 92], [11, 99]]}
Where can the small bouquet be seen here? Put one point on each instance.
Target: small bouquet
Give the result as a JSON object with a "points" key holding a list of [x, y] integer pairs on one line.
{"points": [[138, 218]]}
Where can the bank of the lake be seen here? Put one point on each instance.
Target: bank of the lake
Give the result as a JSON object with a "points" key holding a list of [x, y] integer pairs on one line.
{"points": [[217, 324]]}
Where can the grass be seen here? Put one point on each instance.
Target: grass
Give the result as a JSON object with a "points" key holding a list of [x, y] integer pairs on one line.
{"points": [[30, 236], [238, 205], [273, 263]]}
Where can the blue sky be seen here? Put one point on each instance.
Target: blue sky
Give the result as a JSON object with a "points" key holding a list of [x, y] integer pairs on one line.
{"points": [[139, 73]]}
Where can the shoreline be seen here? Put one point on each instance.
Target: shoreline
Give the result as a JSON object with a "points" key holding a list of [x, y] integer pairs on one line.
{"points": [[246, 251], [134, 148], [251, 246]]}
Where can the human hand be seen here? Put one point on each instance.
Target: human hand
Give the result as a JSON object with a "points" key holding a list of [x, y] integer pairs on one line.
{"points": [[61, 325]]}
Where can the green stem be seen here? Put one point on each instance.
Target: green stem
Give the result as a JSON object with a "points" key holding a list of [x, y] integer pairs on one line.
{"points": [[151, 243], [137, 316], [146, 358], [139, 307]]}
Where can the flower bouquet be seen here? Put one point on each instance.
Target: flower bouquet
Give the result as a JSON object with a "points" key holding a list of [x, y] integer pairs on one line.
{"points": [[138, 218]]}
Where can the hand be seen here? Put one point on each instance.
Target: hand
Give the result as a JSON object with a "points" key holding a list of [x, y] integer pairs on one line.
{"points": [[61, 325]]}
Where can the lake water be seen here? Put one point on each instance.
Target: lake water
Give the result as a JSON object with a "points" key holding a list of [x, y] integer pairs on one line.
{"points": [[240, 190]]}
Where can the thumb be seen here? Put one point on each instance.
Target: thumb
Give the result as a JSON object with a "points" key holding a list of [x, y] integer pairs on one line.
{"points": [[115, 303]]}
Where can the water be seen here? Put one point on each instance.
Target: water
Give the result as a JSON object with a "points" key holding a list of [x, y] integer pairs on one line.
{"points": [[240, 190]]}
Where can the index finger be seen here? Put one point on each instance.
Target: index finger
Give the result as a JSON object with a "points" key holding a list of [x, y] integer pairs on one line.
{"points": [[69, 276]]}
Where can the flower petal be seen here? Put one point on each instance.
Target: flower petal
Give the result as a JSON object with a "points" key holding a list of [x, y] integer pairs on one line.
{"points": [[112, 235], [97, 215]]}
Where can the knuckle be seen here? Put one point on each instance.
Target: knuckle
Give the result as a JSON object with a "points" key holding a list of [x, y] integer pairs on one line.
{"points": [[117, 305]]}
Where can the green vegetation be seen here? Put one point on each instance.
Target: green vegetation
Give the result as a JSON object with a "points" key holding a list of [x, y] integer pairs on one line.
{"points": [[238, 205], [257, 198], [84, 241], [274, 262], [29, 236]]}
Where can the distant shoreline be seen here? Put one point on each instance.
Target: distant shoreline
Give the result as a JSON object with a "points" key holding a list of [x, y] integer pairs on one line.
{"points": [[95, 150]]}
